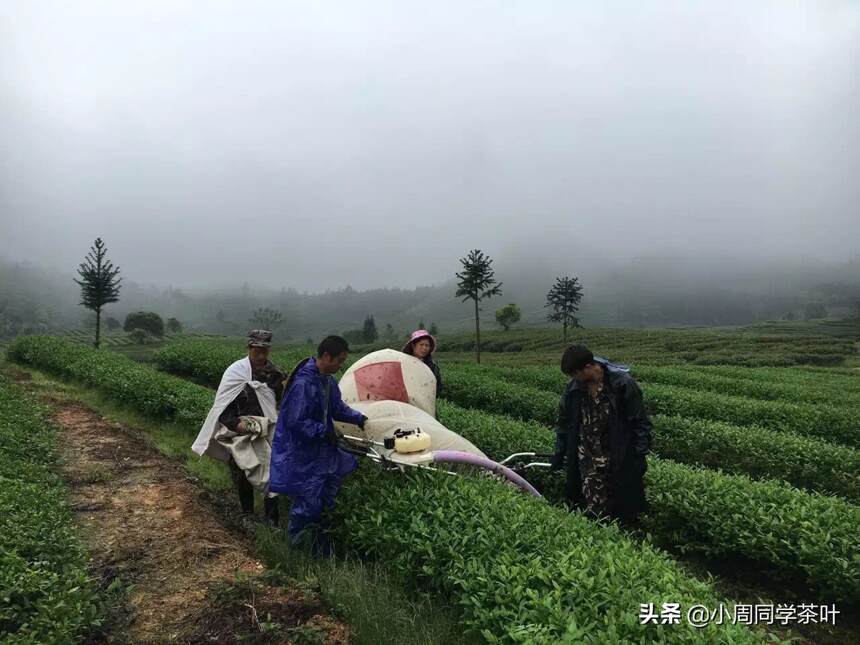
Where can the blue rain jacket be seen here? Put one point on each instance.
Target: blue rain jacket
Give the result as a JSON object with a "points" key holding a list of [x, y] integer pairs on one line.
{"points": [[303, 455]]}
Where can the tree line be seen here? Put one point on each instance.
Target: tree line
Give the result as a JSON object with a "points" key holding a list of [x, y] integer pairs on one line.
{"points": [[33, 300], [100, 283], [476, 281]]}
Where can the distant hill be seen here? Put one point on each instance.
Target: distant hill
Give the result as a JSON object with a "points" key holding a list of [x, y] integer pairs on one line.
{"points": [[642, 293]]}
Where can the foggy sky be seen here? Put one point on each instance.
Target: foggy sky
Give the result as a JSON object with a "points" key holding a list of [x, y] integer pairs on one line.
{"points": [[314, 144]]}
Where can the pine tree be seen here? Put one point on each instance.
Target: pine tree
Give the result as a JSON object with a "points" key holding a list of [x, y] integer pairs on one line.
{"points": [[476, 282], [369, 332], [99, 283], [563, 298], [266, 318]]}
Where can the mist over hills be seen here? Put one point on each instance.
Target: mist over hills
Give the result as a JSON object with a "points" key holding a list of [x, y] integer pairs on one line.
{"points": [[646, 291]]}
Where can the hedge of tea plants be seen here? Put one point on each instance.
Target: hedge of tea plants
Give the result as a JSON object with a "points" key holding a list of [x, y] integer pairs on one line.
{"points": [[475, 386], [520, 570], [793, 385], [760, 520], [804, 462], [154, 393], [695, 509], [46, 594], [666, 346], [825, 389], [205, 361]]}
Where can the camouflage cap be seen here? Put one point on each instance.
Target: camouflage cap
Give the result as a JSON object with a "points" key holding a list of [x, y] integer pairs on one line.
{"points": [[259, 338]]}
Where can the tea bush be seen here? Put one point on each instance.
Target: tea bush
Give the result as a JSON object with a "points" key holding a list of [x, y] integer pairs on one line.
{"points": [[829, 422], [763, 515], [205, 361], [153, 393], [669, 346], [46, 595], [805, 462], [501, 390], [711, 512], [828, 390], [520, 570]]}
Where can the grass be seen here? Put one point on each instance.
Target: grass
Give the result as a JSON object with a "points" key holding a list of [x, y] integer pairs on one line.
{"points": [[369, 596], [376, 604]]}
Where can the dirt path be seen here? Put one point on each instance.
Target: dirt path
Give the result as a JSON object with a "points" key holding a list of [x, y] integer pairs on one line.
{"points": [[144, 522]]}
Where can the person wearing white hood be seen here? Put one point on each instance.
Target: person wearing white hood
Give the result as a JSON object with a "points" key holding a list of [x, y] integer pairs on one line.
{"points": [[238, 428]]}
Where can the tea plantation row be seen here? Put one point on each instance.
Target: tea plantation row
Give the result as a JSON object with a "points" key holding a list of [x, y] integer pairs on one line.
{"points": [[777, 384], [670, 346], [46, 595], [803, 461], [474, 386], [697, 509], [520, 570]]}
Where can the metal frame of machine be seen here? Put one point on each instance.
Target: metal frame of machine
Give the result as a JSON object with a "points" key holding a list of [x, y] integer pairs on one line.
{"points": [[379, 453]]}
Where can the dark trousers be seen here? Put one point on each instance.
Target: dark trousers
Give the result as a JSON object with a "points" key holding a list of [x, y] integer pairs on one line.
{"points": [[246, 495], [243, 487], [306, 510]]}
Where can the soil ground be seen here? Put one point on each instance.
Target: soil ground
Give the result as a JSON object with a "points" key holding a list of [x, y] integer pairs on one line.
{"points": [[188, 577]]}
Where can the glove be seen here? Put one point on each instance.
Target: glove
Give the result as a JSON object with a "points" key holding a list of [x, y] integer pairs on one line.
{"points": [[557, 461], [362, 422]]}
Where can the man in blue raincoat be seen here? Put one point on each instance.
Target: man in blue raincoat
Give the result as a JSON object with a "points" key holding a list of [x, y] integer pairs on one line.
{"points": [[306, 462]]}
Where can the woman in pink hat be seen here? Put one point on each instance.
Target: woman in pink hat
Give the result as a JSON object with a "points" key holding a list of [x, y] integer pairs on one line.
{"points": [[421, 345]]}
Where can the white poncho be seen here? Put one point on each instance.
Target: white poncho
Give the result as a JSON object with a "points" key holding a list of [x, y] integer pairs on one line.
{"points": [[251, 452]]}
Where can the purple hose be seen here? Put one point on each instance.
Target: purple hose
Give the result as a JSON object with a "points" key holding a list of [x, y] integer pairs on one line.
{"points": [[459, 457]]}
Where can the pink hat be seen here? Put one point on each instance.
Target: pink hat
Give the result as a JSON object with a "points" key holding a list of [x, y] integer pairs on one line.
{"points": [[416, 336]]}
